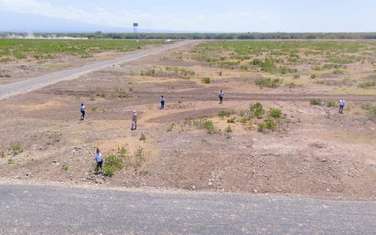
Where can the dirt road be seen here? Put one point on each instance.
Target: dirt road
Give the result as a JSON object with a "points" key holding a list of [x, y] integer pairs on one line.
{"points": [[59, 210], [28, 85]]}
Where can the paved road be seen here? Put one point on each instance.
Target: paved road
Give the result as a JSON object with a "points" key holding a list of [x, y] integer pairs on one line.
{"points": [[58, 210], [31, 84]]}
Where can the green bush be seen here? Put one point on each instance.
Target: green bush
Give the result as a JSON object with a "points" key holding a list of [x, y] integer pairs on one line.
{"points": [[275, 113], [114, 163], [270, 124], [267, 124], [228, 129], [257, 110], [261, 127]]}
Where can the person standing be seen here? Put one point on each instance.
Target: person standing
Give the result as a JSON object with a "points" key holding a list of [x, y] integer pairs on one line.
{"points": [[134, 121], [162, 102], [99, 161], [342, 104], [83, 111], [221, 95]]}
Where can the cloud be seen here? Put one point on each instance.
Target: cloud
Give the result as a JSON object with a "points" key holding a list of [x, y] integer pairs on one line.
{"points": [[96, 16], [157, 19]]}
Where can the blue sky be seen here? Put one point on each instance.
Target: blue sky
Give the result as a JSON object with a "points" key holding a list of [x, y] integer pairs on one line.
{"points": [[189, 15]]}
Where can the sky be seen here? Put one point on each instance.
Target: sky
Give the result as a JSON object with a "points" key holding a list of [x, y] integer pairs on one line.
{"points": [[188, 15]]}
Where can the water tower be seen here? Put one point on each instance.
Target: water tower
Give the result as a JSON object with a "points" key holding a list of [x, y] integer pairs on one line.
{"points": [[135, 26]]}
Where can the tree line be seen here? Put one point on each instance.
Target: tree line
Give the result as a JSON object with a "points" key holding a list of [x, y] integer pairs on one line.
{"points": [[176, 36]]}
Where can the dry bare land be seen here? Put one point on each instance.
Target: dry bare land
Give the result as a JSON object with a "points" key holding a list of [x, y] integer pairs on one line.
{"points": [[278, 130]]}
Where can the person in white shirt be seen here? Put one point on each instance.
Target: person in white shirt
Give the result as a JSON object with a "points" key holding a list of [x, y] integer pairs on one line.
{"points": [[221, 95], [134, 121], [99, 161], [342, 104], [83, 111]]}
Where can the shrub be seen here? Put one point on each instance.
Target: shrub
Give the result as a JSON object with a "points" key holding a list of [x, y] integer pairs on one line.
{"points": [[231, 120], [368, 84], [224, 113], [261, 127], [114, 163], [228, 129], [171, 127], [270, 124], [331, 104], [16, 149], [275, 113], [371, 109], [313, 76], [268, 82], [205, 124], [142, 137], [268, 65], [139, 158], [267, 124], [316, 102], [206, 80], [257, 110]]}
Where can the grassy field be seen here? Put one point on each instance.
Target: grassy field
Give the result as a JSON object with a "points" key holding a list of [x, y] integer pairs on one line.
{"points": [[13, 49], [340, 64]]}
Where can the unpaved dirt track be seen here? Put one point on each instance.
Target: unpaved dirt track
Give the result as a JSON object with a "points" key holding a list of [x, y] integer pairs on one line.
{"points": [[58, 210], [28, 85]]}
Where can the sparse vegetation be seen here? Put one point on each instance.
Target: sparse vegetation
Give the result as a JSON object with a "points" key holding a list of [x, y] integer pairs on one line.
{"points": [[275, 113], [171, 127], [331, 104], [206, 80], [143, 137], [65, 167], [228, 129], [206, 124], [371, 110], [316, 102], [171, 72], [225, 113], [268, 82], [13, 49], [114, 162], [256, 110], [16, 149]]}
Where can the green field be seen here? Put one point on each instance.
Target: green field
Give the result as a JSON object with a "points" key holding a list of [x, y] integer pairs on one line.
{"points": [[277, 56], [13, 49]]}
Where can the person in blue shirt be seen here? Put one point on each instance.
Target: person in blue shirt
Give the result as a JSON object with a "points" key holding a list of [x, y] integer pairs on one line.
{"points": [[342, 104], [99, 161]]}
